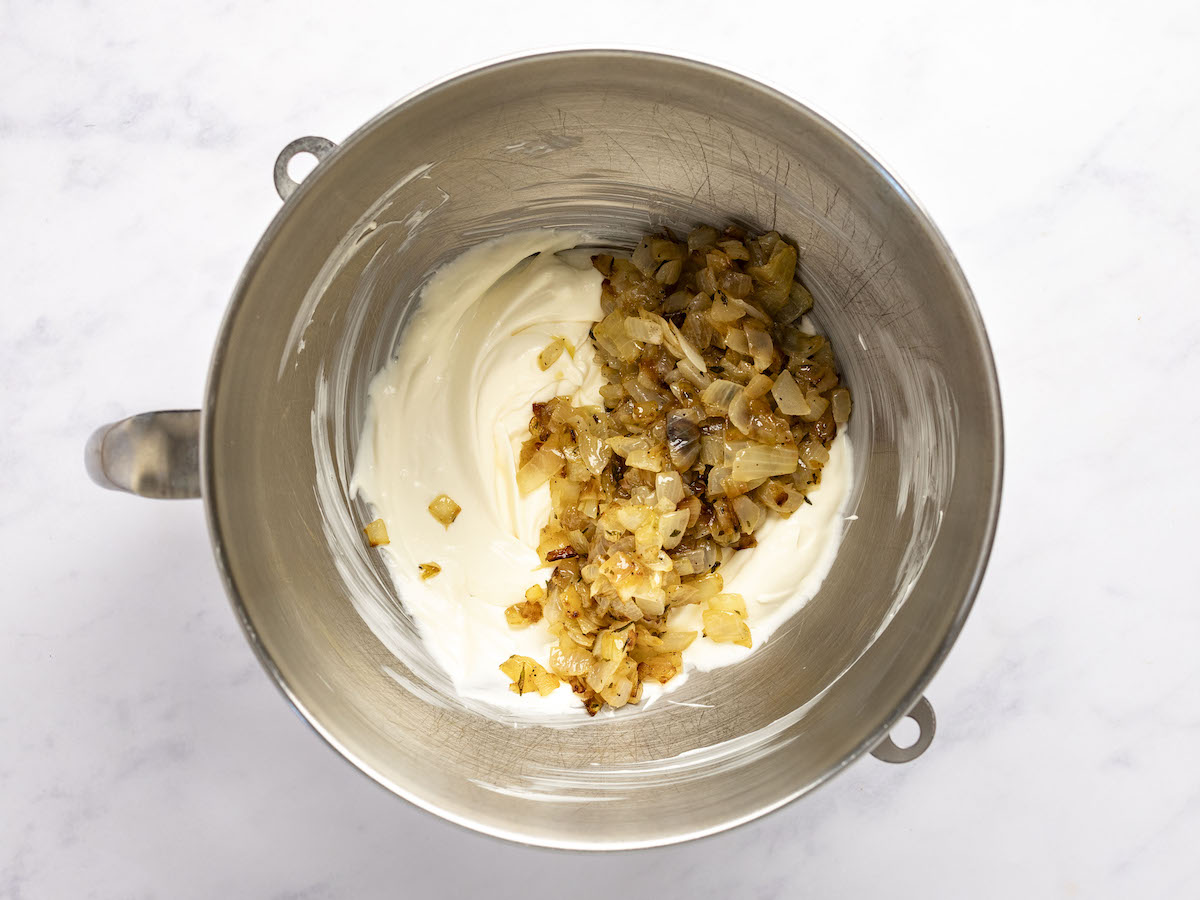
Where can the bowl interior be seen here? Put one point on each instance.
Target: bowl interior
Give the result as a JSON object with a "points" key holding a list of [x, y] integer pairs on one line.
{"points": [[614, 144]]}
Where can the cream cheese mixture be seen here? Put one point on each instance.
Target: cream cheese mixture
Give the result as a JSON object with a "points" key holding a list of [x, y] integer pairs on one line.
{"points": [[448, 415]]}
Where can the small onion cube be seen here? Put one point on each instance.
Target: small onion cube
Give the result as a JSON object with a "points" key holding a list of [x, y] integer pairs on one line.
{"points": [[677, 641], [761, 348], [839, 400], [763, 461], [445, 510], [718, 395], [644, 330], [788, 396], [377, 533], [749, 513], [816, 406], [723, 627], [537, 471], [671, 527], [758, 386], [550, 355], [733, 603], [669, 488], [527, 676]]}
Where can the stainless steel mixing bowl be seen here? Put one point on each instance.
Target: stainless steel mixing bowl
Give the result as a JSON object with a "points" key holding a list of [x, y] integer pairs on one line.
{"points": [[615, 143]]}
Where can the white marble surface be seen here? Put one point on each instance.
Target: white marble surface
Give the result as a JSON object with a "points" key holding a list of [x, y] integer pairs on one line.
{"points": [[144, 754]]}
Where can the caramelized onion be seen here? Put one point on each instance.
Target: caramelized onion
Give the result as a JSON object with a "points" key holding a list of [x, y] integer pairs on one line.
{"points": [[718, 412]]}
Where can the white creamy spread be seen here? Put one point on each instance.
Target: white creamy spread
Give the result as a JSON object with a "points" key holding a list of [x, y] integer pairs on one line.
{"points": [[448, 415]]}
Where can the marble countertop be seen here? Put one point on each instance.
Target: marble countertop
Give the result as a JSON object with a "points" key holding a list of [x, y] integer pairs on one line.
{"points": [[143, 753]]}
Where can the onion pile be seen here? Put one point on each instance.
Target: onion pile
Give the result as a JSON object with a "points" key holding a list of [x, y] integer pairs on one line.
{"points": [[718, 411]]}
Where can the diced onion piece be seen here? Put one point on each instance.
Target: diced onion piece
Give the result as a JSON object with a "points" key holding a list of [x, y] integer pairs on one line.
{"points": [[702, 238], [749, 309], [677, 641], [550, 355], [527, 676], [723, 312], [697, 330], [816, 406], [724, 627], [828, 381], [783, 498], [643, 257], [444, 509], [813, 454], [735, 339], [611, 335], [839, 400], [563, 492], [682, 595], [545, 682], [603, 673], [643, 330], [687, 351], [739, 412], [733, 603], [775, 275], [428, 570], [624, 681], [537, 471], [671, 527], [718, 395], [683, 439], [758, 386], [527, 612], [734, 249], [749, 513], [761, 348], [665, 248], [697, 561], [788, 396], [669, 272], [594, 452], [570, 661], [651, 605], [763, 461], [669, 488], [709, 585], [799, 345], [646, 646], [661, 668], [623, 445], [377, 533], [716, 480], [698, 377], [646, 459], [712, 449], [735, 284], [799, 302], [731, 450], [611, 643]]}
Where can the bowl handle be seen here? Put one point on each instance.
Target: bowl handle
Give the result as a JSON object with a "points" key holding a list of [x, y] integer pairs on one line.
{"points": [[319, 147], [922, 714], [155, 454]]}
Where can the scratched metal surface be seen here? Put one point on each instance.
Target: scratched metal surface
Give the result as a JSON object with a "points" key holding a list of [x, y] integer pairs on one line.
{"points": [[613, 145]]}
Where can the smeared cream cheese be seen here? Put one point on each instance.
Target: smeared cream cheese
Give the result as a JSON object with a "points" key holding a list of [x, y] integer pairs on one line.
{"points": [[448, 415]]}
